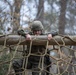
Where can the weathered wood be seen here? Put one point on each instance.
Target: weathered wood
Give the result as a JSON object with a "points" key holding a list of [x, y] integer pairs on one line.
{"points": [[38, 40]]}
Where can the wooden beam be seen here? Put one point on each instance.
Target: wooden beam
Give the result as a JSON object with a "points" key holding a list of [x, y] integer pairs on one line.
{"points": [[37, 40]]}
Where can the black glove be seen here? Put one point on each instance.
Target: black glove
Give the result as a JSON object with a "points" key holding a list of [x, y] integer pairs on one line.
{"points": [[53, 33], [21, 32]]}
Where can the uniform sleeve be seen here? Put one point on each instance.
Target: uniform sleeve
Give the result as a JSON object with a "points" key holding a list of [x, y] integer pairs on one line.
{"points": [[21, 32], [53, 33]]}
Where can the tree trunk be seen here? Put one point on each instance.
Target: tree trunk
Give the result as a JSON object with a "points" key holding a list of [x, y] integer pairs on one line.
{"points": [[62, 18], [40, 13], [37, 40], [16, 16]]}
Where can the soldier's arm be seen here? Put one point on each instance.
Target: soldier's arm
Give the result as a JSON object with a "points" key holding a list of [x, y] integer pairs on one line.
{"points": [[52, 33], [21, 32], [24, 34]]}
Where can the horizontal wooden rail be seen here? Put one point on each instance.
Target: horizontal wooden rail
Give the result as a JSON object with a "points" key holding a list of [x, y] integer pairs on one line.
{"points": [[37, 40]]}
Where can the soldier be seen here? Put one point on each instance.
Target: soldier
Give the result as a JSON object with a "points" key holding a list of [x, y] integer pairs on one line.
{"points": [[33, 61]]}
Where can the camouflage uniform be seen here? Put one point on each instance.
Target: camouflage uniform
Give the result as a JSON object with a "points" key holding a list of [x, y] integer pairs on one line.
{"points": [[33, 61]]}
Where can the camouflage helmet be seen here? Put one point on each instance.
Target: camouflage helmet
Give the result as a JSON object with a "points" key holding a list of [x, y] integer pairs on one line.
{"points": [[36, 25]]}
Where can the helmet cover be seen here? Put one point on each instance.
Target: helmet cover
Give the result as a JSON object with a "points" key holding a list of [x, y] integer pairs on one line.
{"points": [[36, 25]]}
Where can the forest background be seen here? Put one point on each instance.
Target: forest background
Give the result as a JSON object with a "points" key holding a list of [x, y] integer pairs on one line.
{"points": [[56, 15]]}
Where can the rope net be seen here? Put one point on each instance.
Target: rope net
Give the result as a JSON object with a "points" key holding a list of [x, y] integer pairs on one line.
{"points": [[63, 59]]}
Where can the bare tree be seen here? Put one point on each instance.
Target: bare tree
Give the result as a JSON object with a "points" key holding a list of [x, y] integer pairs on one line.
{"points": [[16, 16], [40, 13], [62, 18]]}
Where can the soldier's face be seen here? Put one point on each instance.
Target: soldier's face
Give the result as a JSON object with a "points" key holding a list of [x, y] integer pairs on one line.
{"points": [[37, 32]]}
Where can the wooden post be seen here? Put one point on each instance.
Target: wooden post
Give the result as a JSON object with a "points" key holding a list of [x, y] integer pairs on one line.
{"points": [[38, 40]]}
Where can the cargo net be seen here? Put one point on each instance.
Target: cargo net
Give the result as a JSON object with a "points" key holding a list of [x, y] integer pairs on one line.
{"points": [[55, 60]]}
